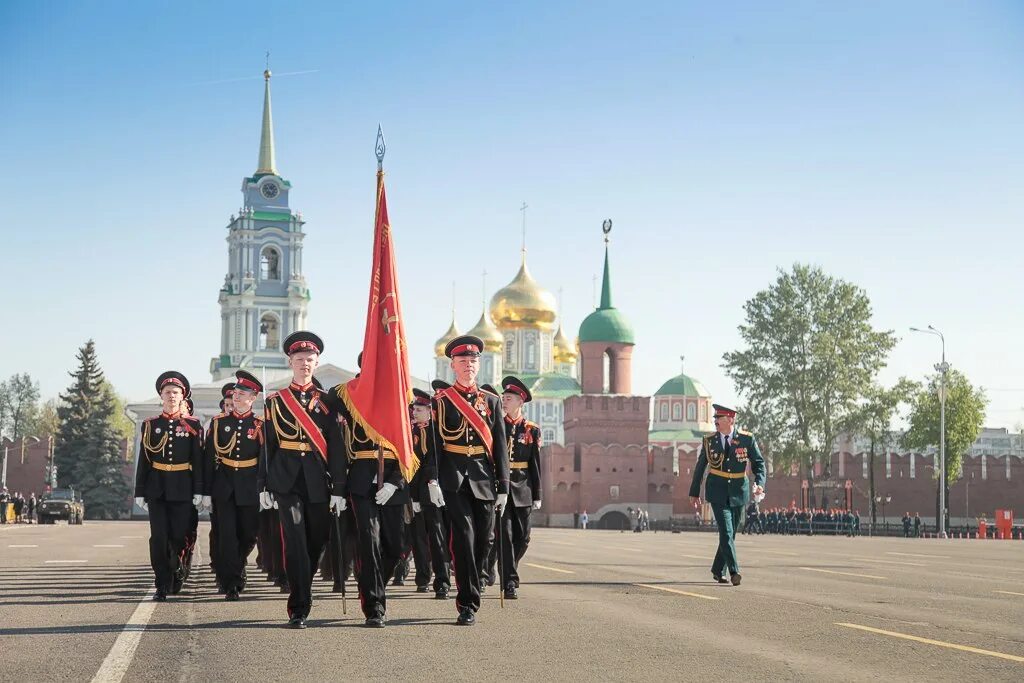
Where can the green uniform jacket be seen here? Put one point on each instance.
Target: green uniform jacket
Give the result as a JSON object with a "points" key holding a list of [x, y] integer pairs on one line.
{"points": [[732, 490]]}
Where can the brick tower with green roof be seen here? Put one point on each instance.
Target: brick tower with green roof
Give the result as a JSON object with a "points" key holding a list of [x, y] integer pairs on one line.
{"points": [[264, 297]]}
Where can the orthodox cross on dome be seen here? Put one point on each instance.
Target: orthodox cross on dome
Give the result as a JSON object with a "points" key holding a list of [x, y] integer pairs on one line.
{"points": [[523, 209], [682, 368]]}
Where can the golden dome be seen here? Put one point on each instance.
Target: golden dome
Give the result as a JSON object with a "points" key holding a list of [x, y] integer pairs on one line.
{"points": [[452, 333], [493, 339], [523, 303], [564, 352]]}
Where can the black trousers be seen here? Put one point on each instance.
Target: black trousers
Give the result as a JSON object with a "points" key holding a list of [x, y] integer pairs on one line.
{"points": [[380, 531], [305, 527], [214, 545], [168, 525], [271, 553], [341, 548], [417, 532], [515, 539], [236, 536], [435, 520], [472, 522]]}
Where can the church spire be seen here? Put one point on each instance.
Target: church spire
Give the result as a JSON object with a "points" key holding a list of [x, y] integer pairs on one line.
{"points": [[606, 282], [266, 164]]}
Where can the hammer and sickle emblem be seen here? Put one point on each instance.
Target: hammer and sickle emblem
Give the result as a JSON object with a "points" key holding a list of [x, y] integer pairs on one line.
{"points": [[385, 319]]}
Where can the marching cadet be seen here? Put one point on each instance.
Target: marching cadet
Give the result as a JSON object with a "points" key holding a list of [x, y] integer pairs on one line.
{"points": [[379, 495], [524, 441], [225, 408], [725, 455], [233, 447], [417, 529], [188, 409], [435, 517], [489, 556], [472, 468], [303, 449], [168, 480]]}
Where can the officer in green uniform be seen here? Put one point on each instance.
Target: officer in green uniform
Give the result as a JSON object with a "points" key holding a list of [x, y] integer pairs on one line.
{"points": [[724, 455]]}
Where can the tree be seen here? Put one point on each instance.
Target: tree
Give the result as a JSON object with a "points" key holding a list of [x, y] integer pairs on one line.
{"points": [[46, 422], [965, 415], [87, 450], [811, 355], [19, 401], [873, 421]]}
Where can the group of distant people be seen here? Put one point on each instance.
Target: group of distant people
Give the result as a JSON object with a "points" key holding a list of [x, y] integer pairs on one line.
{"points": [[24, 508], [807, 521], [913, 527], [641, 520]]}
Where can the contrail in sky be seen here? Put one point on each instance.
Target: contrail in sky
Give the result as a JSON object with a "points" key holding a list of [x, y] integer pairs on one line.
{"points": [[253, 78]]}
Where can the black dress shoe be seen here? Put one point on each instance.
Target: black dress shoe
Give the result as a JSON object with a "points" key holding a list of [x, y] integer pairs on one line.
{"points": [[510, 592], [232, 595], [338, 587], [736, 578], [398, 582], [441, 594], [490, 579], [466, 617], [176, 585], [421, 589], [297, 622], [375, 622], [160, 596], [719, 578], [286, 588]]}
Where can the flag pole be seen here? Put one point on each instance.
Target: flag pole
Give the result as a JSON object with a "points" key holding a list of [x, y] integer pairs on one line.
{"points": [[379, 149]]}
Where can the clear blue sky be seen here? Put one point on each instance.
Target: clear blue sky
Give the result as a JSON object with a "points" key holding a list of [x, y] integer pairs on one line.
{"points": [[883, 141]]}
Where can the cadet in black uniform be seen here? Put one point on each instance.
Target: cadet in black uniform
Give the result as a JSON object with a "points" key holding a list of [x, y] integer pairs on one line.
{"points": [[489, 558], [168, 479], [435, 516], [233, 447], [472, 468], [303, 448], [379, 494], [225, 408], [417, 530], [524, 442]]}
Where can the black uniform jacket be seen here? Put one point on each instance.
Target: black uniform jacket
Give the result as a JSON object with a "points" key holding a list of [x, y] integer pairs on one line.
{"points": [[462, 453], [361, 472], [422, 436], [170, 461], [524, 461], [290, 452], [234, 444]]}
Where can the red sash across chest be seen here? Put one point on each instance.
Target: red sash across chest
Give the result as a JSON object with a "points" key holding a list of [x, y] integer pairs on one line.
{"points": [[475, 419], [305, 421]]}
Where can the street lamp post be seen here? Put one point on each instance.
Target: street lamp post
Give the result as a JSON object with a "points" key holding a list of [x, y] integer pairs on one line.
{"points": [[942, 368]]}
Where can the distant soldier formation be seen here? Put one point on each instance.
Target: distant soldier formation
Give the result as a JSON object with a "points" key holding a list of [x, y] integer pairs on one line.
{"points": [[307, 487]]}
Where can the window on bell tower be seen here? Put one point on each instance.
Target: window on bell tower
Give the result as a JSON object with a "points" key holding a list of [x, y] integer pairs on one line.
{"points": [[270, 264], [270, 334]]}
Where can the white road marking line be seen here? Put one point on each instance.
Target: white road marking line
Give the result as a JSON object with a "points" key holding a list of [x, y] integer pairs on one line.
{"points": [[632, 550], [831, 571], [24, 545], [557, 542], [110, 545], [675, 590], [941, 557], [929, 641], [131, 537], [773, 552], [909, 564], [65, 561], [550, 569], [1009, 593], [117, 661]]}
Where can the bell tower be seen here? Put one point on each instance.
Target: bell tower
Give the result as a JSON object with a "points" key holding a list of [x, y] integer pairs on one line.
{"points": [[264, 297]]}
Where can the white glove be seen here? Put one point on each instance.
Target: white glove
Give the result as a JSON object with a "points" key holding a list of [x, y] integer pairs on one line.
{"points": [[338, 505], [416, 507], [385, 493], [499, 502], [208, 502], [536, 505], [436, 497], [141, 502], [197, 500], [276, 506], [266, 500]]}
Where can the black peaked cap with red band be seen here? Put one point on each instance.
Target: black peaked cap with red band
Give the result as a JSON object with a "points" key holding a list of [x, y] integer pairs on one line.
{"points": [[489, 389], [248, 381], [225, 391], [303, 340], [439, 385], [176, 378], [420, 398], [512, 384], [466, 345]]}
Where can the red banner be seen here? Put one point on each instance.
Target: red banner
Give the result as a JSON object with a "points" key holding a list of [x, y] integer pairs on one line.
{"points": [[378, 398]]}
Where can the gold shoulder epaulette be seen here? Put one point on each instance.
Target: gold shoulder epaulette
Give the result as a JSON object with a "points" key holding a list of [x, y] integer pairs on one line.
{"points": [[271, 396], [744, 432]]}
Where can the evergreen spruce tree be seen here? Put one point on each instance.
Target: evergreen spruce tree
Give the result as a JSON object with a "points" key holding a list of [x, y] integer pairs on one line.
{"points": [[87, 450]]}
